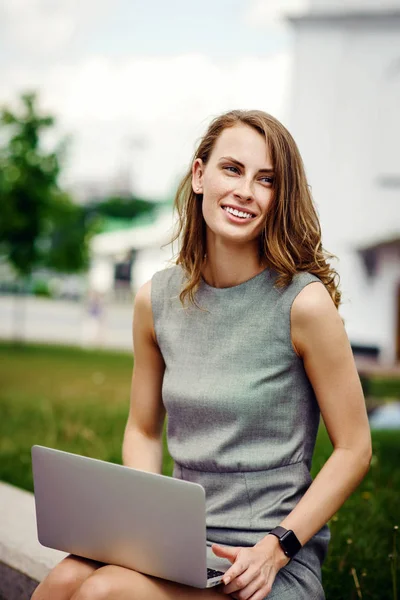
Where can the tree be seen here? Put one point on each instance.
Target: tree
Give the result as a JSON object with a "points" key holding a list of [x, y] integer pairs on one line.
{"points": [[120, 207], [40, 226]]}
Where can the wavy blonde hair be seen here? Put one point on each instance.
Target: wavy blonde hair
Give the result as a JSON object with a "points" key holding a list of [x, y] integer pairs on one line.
{"points": [[291, 239]]}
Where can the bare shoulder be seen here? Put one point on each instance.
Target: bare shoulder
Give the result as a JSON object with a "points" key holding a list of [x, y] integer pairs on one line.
{"points": [[314, 314], [143, 296], [143, 313], [313, 298]]}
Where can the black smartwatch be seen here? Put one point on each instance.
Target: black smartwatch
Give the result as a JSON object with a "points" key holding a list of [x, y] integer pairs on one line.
{"points": [[287, 539]]}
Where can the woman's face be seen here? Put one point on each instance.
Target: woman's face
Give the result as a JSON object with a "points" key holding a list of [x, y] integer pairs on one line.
{"points": [[238, 174]]}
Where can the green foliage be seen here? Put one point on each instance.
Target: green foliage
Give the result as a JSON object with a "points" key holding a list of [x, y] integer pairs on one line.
{"points": [[122, 207], [40, 287], [39, 223], [362, 530], [69, 234], [78, 400], [384, 387]]}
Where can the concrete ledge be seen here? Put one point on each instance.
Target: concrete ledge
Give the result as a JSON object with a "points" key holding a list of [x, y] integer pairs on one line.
{"points": [[23, 560]]}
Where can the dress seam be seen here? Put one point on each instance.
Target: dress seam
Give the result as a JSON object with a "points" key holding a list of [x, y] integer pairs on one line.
{"points": [[225, 471]]}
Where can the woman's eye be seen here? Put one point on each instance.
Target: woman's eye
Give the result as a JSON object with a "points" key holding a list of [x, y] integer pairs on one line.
{"points": [[232, 169]]}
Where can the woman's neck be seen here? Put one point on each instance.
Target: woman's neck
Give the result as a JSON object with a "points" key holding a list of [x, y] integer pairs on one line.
{"points": [[228, 270]]}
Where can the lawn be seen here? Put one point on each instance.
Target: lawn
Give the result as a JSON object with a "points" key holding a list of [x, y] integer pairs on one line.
{"points": [[78, 400]]}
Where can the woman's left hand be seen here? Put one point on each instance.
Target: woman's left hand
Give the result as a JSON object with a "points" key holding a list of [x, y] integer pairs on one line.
{"points": [[253, 570]]}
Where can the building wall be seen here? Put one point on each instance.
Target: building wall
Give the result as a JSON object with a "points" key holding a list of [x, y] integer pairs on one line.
{"points": [[346, 121], [386, 287], [361, 5], [150, 245], [148, 261]]}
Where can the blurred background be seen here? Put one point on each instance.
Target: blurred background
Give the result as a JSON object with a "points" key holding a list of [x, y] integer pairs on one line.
{"points": [[101, 106]]}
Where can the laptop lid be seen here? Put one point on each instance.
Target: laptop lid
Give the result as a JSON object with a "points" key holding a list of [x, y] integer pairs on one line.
{"points": [[115, 514]]}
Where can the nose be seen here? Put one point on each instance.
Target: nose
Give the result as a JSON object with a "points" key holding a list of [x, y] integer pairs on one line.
{"points": [[244, 189]]}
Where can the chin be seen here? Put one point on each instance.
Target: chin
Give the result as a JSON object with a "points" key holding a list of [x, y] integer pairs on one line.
{"points": [[227, 236]]}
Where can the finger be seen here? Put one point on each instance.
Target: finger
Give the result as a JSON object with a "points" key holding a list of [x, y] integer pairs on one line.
{"points": [[252, 588], [261, 594], [263, 590], [234, 571], [229, 552], [242, 581]]}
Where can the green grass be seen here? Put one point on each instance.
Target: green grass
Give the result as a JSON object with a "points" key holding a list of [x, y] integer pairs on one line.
{"points": [[363, 529], [67, 398], [78, 400], [381, 387]]}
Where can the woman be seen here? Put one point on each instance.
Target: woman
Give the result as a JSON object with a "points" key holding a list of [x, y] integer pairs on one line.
{"points": [[241, 344]]}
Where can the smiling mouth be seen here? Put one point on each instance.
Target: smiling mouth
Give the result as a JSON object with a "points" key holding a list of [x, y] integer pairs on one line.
{"points": [[243, 215]]}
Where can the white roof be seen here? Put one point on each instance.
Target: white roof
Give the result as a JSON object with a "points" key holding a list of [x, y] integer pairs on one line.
{"points": [[152, 235]]}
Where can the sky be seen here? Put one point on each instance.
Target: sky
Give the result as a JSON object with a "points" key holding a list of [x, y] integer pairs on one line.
{"points": [[134, 83]]}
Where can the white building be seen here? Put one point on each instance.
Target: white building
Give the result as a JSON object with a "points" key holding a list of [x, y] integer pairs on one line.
{"points": [[149, 243], [345, 118]]}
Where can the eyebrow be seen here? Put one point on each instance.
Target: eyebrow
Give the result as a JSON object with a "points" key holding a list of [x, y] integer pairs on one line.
{"points": [[230, 158]]}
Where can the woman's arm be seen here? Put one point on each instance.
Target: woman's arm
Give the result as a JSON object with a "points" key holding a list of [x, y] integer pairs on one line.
{"points": [[319, 338], [142, 446]]}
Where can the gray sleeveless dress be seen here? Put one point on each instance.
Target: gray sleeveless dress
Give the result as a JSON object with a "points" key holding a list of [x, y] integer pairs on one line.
{"points": [[242, 415]]}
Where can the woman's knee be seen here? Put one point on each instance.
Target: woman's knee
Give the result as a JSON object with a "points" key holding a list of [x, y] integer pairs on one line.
{"points": [[96, 587], [63, 581]]}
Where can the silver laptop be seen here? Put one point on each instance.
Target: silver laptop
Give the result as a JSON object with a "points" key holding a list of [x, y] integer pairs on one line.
{"points": [[118, 515]]}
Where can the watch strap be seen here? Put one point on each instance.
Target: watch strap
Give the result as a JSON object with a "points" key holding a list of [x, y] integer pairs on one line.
{"points": [[278, 531], [287, 540]]}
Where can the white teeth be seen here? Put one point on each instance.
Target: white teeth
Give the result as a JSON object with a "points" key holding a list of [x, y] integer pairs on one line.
{"points": [[237, 213]]}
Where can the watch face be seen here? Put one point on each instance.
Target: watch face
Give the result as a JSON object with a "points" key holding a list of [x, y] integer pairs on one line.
{"points": [[290, 543]]}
